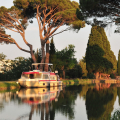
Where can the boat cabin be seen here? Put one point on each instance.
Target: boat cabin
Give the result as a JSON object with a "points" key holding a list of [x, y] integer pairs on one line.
{"points": [[39, 75]]}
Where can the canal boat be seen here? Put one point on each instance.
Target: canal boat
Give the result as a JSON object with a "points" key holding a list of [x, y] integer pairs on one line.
{"points": [[37, 78]]}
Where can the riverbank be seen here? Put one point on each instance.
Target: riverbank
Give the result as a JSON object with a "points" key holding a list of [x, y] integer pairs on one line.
{"points": [[89, 81], [8, 86], [77, 81], [13, 86]]}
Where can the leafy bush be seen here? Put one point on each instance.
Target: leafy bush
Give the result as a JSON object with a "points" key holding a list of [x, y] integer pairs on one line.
{"points": [[91, 76], [113, 76], [17, 67]]}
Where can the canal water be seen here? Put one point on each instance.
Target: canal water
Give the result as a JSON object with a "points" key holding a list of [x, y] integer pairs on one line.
{"points": [[78, 102]]}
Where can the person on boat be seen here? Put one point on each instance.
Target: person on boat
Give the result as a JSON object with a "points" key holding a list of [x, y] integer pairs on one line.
{"points": [[37, 68]]}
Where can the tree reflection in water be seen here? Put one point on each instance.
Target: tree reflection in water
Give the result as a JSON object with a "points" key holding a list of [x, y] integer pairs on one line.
{"points": [[99, 103], [118, 93], [66, 101], [6, 97]]}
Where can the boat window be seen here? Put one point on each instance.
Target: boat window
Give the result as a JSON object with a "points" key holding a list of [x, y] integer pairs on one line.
{"points": [[44, 98], [25, 76], [45, 76], [52, 94], [38, 75], [52, 77], [31, 76], [38, 99]]}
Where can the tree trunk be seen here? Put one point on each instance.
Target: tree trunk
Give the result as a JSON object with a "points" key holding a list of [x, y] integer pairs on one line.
{"points": [[33, 56], [43, 56], [31, 48], [97, 75], [64, 74], [42, 111], [47, 111], [47, 56], [31, 112]]}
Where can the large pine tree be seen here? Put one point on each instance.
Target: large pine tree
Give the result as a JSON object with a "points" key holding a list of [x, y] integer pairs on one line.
{"points": [[50, 15], [99, 57]]}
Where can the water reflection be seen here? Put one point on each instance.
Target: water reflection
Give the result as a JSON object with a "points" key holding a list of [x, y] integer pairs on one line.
{"points": [[7, 97], [97, 100], [40, 100], [100, 102]]}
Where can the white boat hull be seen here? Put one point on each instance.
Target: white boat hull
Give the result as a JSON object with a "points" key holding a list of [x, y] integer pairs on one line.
{"points": [[36, 83]]}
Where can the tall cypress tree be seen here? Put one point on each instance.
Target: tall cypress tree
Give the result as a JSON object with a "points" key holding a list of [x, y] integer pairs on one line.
{"points": [[38, 55], [99, 57], [52, 50], [109, 54], [118, 67]]}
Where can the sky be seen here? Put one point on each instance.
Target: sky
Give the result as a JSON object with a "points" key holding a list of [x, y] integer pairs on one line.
{"points": [[79, 40]]}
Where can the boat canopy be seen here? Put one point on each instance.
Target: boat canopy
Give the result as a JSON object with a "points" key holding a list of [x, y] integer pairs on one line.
{"points": [[36, 65], [42, 63]]}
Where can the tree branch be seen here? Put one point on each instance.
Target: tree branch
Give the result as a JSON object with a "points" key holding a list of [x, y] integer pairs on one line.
{"points": [[39, 22], [60, 32], [55, 30], [16, 44], [11, 24], [8, 28]]}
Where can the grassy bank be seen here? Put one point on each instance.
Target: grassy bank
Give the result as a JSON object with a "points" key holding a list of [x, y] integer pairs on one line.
{"points": [[77, 81], [8, 86], [12, 85]]}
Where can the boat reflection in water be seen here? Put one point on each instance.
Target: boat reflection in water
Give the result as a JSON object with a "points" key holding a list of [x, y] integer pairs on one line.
{"points": [[40, 99]]}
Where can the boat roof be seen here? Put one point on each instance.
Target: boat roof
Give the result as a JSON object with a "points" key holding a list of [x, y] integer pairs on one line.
{"points": [[32, 72]]}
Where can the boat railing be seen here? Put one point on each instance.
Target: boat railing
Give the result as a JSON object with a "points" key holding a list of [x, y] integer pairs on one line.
{"points": [[36, 65], [36, 70]]}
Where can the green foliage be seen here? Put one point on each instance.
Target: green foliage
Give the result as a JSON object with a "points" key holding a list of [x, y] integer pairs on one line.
{"points": [[90, 76], [52, 51], [38, 55], [65, 59], [82, 63], [75, 72], [8, 84], [113, 76], [99, 57], [18, 65], [63, 8], [100, 9], [2, 56]]}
